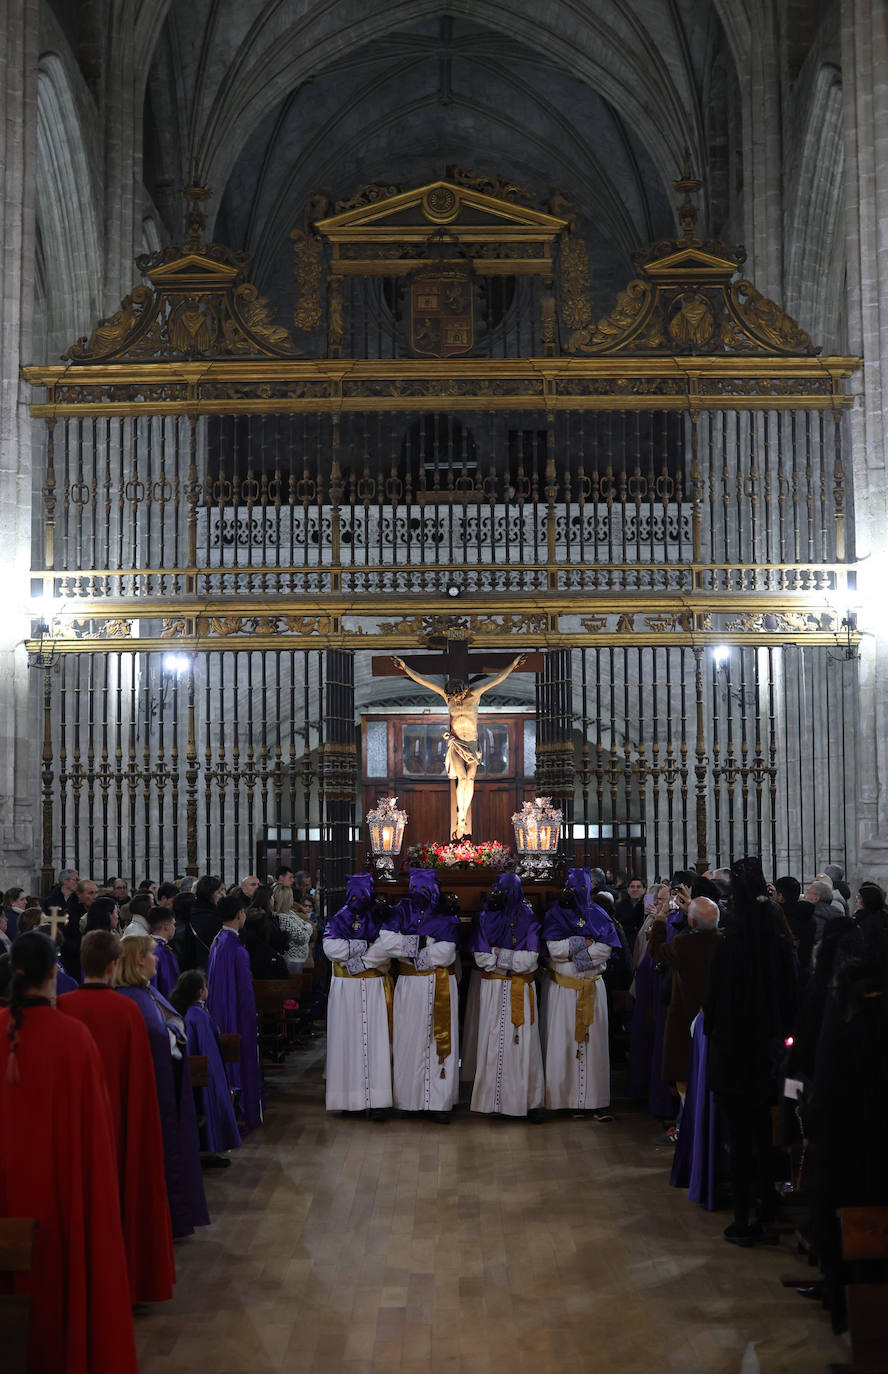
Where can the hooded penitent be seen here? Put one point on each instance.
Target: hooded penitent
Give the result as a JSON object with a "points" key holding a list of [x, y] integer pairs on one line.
{"points": [[574, 913], [506, 921], [422, 911], [357, 919]]}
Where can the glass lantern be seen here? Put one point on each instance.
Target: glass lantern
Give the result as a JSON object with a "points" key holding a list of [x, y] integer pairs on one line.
{"points": [[537, 830], [386, 825]]}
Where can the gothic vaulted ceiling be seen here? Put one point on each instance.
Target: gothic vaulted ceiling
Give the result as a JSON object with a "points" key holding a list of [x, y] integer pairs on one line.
{"points": [[597, 100]]}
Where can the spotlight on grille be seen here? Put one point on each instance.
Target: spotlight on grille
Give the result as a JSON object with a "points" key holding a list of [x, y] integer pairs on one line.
{"points": [[176, 663]]}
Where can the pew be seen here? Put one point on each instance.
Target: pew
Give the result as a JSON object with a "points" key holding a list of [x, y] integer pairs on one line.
{"points": [[278, 1026], [16, 1248], [865, 1242]]}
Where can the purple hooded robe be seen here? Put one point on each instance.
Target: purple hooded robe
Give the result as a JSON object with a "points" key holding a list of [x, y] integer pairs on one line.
{"points": [[585, 920], [232, 1005], [419, 912], [510, 926], [356, 919], [167, 975], [214, 1104], [181, 1146]]}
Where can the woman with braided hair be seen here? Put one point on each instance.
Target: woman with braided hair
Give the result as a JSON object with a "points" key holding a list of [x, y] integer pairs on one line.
{"points": [[58, 1165]]}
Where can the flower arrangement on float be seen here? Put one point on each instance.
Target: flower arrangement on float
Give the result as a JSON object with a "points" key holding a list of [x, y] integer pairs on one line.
{"points": [[461, 854]]}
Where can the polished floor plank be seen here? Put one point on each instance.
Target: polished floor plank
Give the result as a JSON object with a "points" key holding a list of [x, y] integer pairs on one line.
{"points": [[485, 1247]]}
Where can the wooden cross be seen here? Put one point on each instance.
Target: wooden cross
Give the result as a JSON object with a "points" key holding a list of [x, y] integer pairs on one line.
{"points": [[54, 920], [456, 663]]}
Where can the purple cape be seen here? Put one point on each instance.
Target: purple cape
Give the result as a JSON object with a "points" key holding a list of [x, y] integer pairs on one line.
{"points": [[355, 920], [167, 975], [418, 912], [510, 926], [65, 983], [587, 918], [697, 1153], [181, 1147], [219, 1131], [676, 921], [232, 1005]]}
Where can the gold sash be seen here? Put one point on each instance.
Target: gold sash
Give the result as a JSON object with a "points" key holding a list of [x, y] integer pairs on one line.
{"points": [[519, 982], [585, 988], [340, 971], [441, 1014]]}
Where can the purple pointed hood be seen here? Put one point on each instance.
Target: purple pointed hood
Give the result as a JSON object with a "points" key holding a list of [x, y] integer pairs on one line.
{"points": [[419, 912], [506, 921], [587, 918], [355, 920]]}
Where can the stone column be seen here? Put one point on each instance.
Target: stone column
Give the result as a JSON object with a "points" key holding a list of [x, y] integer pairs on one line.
{"points": [[865, 83], [121, 110], [759, 77], [19, 736]]}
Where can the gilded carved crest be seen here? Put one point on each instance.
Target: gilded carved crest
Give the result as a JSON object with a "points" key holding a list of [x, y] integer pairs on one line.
{"points": [[685, 300], [308, 269], [199, 305]]}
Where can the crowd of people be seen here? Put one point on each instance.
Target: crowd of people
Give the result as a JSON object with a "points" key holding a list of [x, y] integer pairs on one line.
{"points": [[754, 1017], [751, 1019], [103, 1136]]}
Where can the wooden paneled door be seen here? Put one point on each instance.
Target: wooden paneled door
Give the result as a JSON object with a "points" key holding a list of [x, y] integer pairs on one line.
{"points": [[404, 755]]}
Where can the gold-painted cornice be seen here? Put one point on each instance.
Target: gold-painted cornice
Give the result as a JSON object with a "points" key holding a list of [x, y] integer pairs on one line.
{"points": [[387, 605], [346, 639], [223, 624], [548, 383]]}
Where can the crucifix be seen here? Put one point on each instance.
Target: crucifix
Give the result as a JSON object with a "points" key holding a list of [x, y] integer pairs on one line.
{"points": [[465, 681], [57, 917]]}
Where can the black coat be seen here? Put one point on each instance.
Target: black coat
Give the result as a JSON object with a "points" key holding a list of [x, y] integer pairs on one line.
{"points": [[192, 941], [749, 1009], [70, 950], [801, 921], [631, 917], [848, 1124], [265, 960]]}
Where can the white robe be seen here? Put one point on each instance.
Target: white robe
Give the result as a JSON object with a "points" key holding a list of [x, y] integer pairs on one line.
{"points": [[359, 1061], [508, 1077], [417, 1082], [580, 1081], [468, 1045]]}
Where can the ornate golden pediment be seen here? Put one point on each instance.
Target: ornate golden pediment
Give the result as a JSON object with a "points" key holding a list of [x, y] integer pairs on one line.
{"points": [[688, 299], [200, 305], [470, 215], [690, 262]]}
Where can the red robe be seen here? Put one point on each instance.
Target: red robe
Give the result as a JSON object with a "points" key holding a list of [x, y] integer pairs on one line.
{"points": [[119, 1031], [57, 1164]]}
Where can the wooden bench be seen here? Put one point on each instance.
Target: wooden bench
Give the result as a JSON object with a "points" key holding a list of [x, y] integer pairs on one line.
{"points": [[231, 1046], [274, 1023], [865, 1240], [16, 1250]]}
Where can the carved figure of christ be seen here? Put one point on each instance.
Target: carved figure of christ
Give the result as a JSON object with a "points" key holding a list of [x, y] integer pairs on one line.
{"points": [[463, 751]]}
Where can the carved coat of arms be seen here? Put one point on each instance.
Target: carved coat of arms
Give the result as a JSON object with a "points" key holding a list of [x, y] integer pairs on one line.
{"points": [[442, 316]]}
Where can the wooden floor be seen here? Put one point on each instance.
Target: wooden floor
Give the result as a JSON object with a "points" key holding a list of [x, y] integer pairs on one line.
{"points": [[484, 1247]]}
